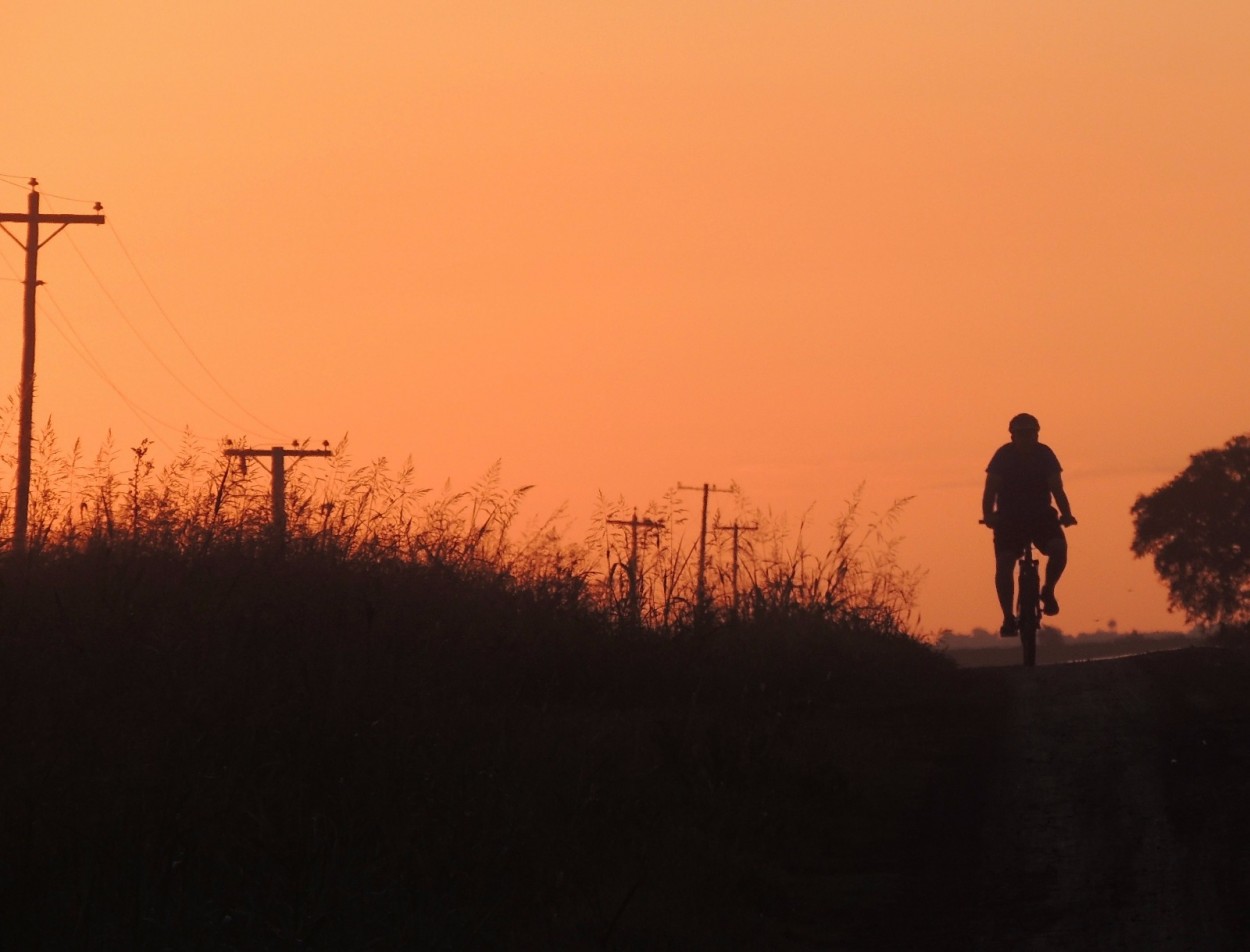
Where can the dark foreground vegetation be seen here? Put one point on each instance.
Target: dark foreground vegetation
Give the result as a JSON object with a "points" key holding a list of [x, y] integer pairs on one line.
{"points": [[241, 752], [411, 725]]}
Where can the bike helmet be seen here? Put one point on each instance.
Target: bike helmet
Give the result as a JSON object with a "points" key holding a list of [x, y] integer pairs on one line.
{"points": [[1024, 421]]}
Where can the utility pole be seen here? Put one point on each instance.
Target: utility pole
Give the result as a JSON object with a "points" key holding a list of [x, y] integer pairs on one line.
{"points": [[33, 220], [736, 529], [700, 608], [277, 456], [635, 607]]}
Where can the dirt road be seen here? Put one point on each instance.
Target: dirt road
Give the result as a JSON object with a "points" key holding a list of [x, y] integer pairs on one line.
{"points": [[1109, 812]]}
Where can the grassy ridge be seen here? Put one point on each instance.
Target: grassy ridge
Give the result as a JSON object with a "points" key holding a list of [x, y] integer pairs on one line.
{"points": [[421, 727], [235, 752]]}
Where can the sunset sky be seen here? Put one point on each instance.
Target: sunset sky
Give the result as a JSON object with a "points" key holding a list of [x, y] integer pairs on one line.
{"points": [[621, 245]]}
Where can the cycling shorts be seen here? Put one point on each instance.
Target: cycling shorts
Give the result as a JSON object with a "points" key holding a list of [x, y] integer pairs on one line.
{"points": [[1040, 529]]}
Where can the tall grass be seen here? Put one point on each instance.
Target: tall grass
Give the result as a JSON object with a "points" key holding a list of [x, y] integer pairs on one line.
{"points": [[202, 502]]}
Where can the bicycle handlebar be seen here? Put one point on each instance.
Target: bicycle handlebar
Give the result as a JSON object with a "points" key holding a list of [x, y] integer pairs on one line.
{"points": [[982, 522]]}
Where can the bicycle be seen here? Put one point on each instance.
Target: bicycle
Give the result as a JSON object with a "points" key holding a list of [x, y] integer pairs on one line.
{"points": [[1028, 602]]}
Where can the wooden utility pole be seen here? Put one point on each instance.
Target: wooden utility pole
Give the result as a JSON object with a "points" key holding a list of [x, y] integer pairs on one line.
{"points": [[736, 529], [700, 608], [635, 606], [33, 220], [277, 456]]}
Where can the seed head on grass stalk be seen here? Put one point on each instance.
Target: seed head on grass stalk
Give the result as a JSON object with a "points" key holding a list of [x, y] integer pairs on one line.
{"points": [[53, 479], [858, 577]]}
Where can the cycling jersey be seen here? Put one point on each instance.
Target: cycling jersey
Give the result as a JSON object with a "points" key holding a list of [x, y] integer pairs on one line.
{"points": [[1024, 482]]}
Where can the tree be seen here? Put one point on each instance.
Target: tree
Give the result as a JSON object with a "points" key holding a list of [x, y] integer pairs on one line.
{"points": [[1197, 529]]}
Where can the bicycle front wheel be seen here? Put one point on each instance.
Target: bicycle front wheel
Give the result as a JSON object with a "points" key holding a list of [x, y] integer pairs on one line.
{"points": [[1028, 641], [1030, 617]]}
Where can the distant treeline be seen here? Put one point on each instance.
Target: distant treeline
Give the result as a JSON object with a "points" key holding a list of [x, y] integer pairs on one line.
{"points": [[980, 637], [1053, 646]]}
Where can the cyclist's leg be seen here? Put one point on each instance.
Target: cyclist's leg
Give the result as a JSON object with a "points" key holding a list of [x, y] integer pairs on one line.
{"points": [[1007, 545], [1054, 544]]}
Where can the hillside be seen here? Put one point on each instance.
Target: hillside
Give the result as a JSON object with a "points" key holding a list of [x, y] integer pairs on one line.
{"points": [[228, 755]]}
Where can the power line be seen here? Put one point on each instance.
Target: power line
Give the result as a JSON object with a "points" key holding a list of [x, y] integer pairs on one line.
{"points": [[273, 431], [83, 352], [174, 327], [148, 346], [17, 276], [22, 185]]}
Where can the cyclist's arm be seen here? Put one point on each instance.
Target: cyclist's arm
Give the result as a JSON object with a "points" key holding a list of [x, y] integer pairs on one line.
{"points": [[1061, 499], [993, 482]]}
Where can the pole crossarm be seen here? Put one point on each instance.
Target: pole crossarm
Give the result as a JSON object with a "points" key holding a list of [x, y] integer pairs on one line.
{"points": [[277, 450], [45, 219], [636, 523], [33, 218], [63, 220]]}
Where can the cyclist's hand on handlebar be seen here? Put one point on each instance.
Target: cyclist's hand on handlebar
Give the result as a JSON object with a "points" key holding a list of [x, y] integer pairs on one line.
{"points": [[1068, 520], [990, 521]]}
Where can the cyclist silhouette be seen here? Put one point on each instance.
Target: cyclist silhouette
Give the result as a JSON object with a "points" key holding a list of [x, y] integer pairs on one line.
{"points": [[1020, 480]]}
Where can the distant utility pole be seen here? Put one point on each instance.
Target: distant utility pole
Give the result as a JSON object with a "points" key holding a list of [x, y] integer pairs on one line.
{"points": [[700, 608], [277, 456], [635, 606], [736, 529], [33, 220]]}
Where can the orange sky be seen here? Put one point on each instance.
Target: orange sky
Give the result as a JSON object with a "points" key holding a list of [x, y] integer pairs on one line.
{"points": [[799, 245]]}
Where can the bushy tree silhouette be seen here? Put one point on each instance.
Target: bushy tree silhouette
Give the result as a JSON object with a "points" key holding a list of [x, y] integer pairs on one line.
{"points": [[1197, 529]]}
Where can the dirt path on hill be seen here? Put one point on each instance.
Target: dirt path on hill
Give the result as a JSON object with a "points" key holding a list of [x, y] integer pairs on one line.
{"points": [[1095, 825]]}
